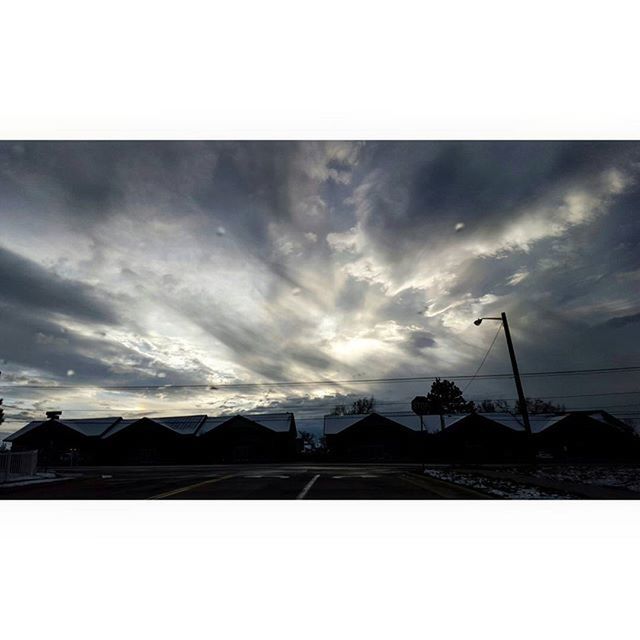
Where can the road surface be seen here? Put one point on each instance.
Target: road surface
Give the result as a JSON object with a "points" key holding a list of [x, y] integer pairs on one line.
{"points": [[243, 482]]}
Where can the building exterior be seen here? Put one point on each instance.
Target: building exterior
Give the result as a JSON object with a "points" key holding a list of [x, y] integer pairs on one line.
{"points": [[474, 437], [402, 437], [150, 440], [373, 437], [248, 438], [164, 440], [588, 436], [63, 441]]}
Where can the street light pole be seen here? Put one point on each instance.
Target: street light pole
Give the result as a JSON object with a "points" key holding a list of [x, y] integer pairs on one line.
{"points": [[514, 365], [516, 374], [422, 442]]}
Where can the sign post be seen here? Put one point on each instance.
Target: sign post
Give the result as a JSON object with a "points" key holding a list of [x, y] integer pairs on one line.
{"points": [[420, 406]]}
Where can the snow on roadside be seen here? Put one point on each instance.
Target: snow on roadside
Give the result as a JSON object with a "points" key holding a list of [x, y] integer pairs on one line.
{"points": [[601, 475], [498, 488]]}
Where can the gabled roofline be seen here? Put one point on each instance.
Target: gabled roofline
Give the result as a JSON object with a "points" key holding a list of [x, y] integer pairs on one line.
{"points": [[250, 417], [361, 417], [69, 425], [158, 421]]}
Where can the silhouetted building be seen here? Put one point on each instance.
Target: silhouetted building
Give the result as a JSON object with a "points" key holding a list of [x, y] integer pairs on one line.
{"points": [[373, 437], [481, 438], [399, 436], [476, 438], [249, 438], [151, 440], [60, 441], [588, 435]]}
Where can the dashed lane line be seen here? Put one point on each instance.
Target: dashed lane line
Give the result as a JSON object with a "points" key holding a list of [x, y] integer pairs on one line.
{"points": [[306, 488], [268, 476], [367, 475], [168, 494]]}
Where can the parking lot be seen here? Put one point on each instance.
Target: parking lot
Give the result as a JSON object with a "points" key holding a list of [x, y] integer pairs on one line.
{"points": [[243, 482]]}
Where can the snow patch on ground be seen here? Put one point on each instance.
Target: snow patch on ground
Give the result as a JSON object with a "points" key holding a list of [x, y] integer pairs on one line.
{"points": [[498, 488], [627, 477]]}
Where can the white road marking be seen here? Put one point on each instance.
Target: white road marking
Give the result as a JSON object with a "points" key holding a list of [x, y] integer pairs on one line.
{"points": [[307, 486], [282, 477], [366, 475]]}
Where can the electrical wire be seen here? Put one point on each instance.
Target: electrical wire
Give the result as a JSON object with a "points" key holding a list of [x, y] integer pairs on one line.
{"points": [[486, 355], [294, 383]]}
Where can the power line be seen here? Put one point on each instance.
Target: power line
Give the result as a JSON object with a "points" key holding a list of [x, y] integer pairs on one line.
{"points": [[486, 355], [279, 409], [318, 418], [293, 383], [331, 403]]}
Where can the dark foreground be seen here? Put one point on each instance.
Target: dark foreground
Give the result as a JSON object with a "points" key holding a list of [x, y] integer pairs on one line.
{"points": [[244, 482], [315, 481]]}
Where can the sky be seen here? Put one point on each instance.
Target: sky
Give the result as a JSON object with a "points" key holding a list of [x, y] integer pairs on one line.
{"points": [[213, 263]]}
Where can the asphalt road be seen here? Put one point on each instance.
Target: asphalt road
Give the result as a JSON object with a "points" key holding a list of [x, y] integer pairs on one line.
{"points": [[243, 482]]}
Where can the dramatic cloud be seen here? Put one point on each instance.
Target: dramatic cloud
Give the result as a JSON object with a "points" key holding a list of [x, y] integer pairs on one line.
{"points": [[133, 263]]}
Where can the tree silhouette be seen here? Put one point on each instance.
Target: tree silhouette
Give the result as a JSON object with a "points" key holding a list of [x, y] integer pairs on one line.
{"points": [[359, 406], [535, 406], [487, 406], [446, 397], [308, 440]]}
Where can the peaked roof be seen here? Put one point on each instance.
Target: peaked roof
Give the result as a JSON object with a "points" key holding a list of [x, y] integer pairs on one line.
{"points": [[538, 422], [481, 426], [92, 427], [337, 424], [606, 420], [186, 425], [541, 422], [279, 422], [604, 416]]}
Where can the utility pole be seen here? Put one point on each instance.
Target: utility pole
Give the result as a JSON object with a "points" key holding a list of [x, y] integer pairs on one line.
{"points": [[516, 375], [419, 406], [514, 365], [1, 407], [422, 442]]}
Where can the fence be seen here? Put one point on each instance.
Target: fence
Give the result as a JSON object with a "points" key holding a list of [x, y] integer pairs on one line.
{"points": [[14, 465]]}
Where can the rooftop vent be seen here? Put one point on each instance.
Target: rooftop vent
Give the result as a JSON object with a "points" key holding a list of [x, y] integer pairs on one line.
{"points": [[53, 415]]}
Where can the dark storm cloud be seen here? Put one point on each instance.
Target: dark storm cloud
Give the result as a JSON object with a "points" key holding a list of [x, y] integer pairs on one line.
{"points": [[419, 191], [420, 339], [35, 342], [81, 177], [622, 321], [91, 181], [29, 285]]}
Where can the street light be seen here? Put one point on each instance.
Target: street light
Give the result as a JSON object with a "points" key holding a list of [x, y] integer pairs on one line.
{"points": [[514, 365]]}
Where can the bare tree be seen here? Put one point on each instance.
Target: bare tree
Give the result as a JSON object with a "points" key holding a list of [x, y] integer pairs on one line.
{"points": [[359, 406], [535, 406], [487, 406], [308, 440]]}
